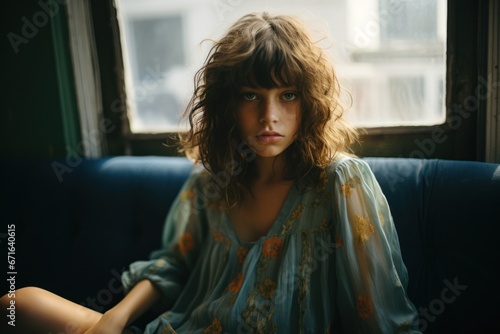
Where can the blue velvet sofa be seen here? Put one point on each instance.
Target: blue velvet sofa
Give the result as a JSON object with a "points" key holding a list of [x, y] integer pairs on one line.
{"points": [[79, 223]]}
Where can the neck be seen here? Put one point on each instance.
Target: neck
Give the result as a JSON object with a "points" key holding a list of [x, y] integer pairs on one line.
{"points": [[269, 170]]}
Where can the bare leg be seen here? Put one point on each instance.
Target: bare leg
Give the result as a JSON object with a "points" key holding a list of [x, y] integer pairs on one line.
{"points": [[40, 311]]}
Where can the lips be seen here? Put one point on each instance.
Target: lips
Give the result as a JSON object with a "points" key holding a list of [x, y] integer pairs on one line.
{"points": [[269, 136]]}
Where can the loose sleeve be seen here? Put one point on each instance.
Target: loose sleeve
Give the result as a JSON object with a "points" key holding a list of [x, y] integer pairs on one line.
{"points": [[169, 267], [371, 275]]}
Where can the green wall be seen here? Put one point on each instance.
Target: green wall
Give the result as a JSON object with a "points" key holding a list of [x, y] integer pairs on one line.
{"points": [[38, 112]]}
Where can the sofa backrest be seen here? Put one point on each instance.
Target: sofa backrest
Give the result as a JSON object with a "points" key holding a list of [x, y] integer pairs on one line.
{"points": [[447, 214], [78, 226]]}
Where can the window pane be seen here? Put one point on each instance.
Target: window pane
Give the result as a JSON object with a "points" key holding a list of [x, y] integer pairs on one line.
{"points": [[157, 51], [390, 54], [408, 21]]}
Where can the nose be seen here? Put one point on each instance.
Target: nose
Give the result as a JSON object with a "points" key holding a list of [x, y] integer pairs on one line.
{"points": [[269, 111]]}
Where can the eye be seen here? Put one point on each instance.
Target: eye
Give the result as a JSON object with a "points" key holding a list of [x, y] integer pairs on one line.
{"points": [[289, 96], [249, 96]]}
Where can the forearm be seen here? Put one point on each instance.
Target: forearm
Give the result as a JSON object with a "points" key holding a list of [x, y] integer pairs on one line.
{"points": [[139, 299]]}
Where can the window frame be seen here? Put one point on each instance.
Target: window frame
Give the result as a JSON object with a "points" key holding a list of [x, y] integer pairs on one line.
{"points": [[461, 137]]}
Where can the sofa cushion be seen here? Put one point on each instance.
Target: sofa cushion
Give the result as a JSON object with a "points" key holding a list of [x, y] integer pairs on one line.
{"points": [[447, 214]]}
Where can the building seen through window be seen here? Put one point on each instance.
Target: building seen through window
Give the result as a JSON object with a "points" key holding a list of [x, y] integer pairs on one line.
{"points": [[389, 54]]}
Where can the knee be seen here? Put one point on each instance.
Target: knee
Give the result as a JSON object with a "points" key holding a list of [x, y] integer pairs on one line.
{"points": [[23, 292], [19, 296], [8, 299], [29, 291], [9, 303]]}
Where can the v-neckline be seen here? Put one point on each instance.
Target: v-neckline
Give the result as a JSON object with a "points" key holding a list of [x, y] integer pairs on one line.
{"points": [[283, 213]]}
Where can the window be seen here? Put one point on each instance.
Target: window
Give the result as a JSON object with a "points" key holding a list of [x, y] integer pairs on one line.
{"points": [[390, 55], [396, 63], [156, 52]]}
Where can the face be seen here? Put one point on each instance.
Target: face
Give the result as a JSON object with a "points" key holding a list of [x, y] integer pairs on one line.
{"points": [[268, 119]]}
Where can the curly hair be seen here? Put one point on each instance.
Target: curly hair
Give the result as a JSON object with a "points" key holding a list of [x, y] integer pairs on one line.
{"points": [[261, 50]]}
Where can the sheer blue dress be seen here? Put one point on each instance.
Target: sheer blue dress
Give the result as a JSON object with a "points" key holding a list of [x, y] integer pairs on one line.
{"points": [[331, 263]]}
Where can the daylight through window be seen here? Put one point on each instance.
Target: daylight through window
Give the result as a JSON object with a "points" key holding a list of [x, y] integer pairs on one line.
{"points": [[390, 55]]}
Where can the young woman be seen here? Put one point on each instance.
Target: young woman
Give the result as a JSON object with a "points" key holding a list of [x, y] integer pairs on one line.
{"points": [[279, 230]]}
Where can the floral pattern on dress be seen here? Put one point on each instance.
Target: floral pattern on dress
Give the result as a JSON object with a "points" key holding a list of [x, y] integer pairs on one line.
{"points": [[364, 228], [260, 307], [258, 316], [323, 181], [321, 200], [214, 328], [217, 236], [325, 224], [338, 241], [296, 214], [305, 269], [347, 187], [168, 330], [186, 243], [267, 288], [235, 284], [404, 327], [157, 265], [271, 247], [381, 218], [187, 194], [241, 253], [364, 306]]}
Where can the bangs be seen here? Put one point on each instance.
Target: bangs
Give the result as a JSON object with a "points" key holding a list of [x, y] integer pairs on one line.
{"points": [[270, 65]]}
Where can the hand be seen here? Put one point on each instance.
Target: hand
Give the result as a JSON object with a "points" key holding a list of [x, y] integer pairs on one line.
{"points": [[110, 323]]}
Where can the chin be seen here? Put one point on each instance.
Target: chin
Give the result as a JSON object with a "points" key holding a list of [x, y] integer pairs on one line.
{"points": [[268, 153]]}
